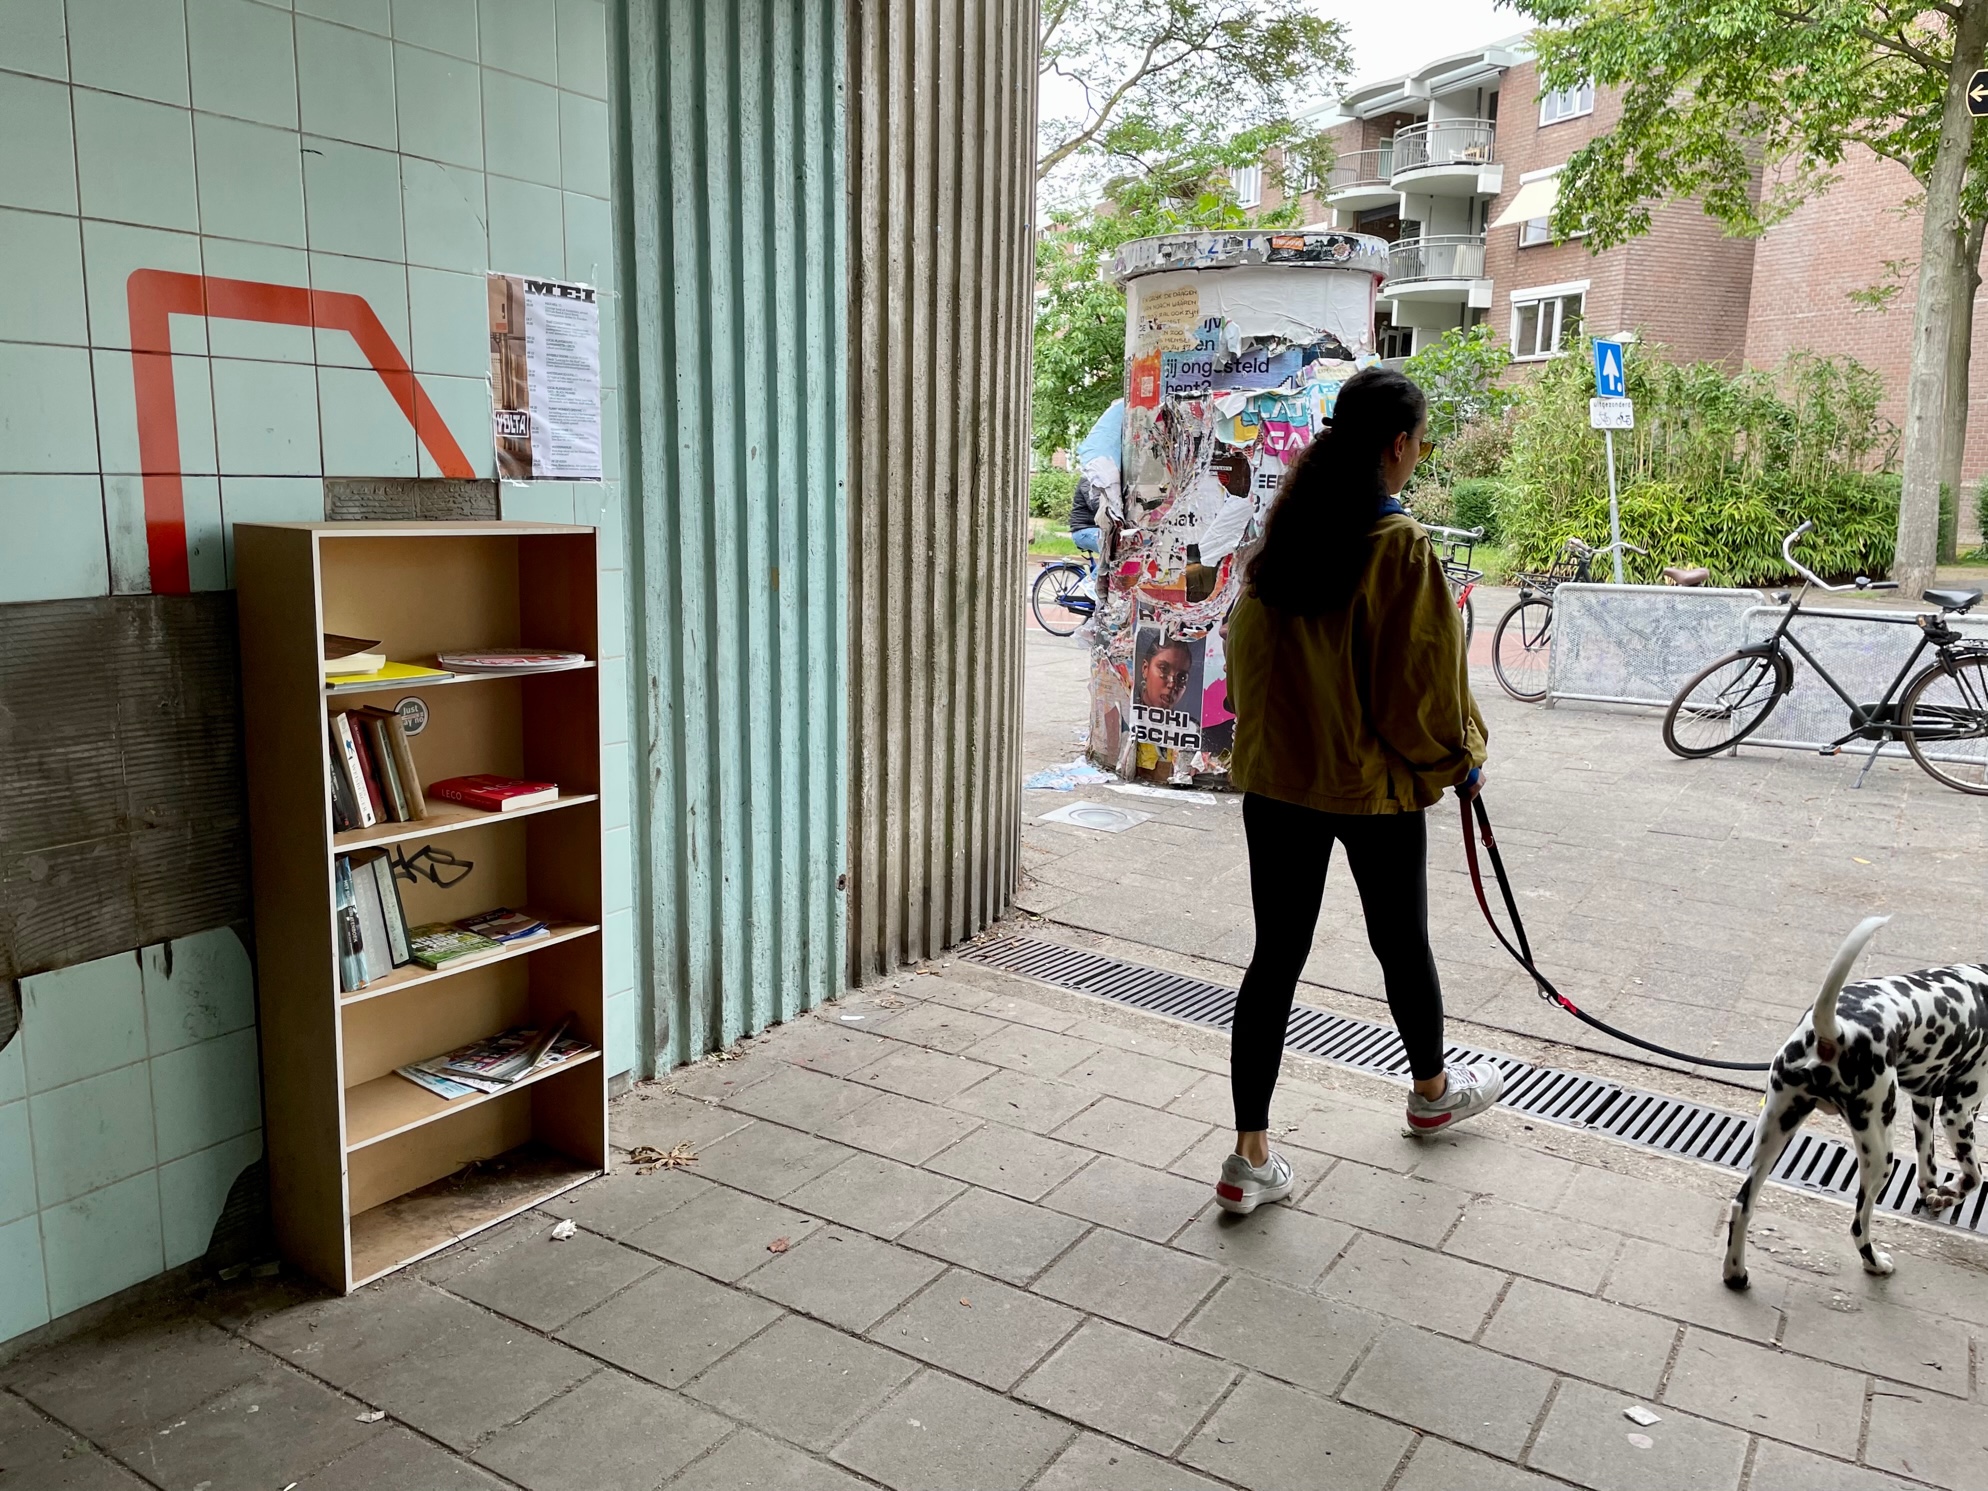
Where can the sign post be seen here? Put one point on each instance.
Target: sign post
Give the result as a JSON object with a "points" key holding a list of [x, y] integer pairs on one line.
{"points": [[1610, 410]]}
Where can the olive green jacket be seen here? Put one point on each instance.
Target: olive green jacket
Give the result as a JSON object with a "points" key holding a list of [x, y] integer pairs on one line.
{"points": [[1367, 710]]}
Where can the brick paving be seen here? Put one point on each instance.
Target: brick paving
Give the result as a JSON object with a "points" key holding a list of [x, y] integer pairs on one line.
{"points": [[958, 1235]]}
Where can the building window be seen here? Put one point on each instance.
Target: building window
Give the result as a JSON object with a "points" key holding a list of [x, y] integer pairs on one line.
{"points": [[1566, 103], [1546, 325], [1534, 231], [1391, 341], [1303, 180], [1248, 182]]}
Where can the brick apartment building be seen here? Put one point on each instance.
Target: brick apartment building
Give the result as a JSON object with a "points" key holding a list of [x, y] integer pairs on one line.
{"points": [[1456, 164]]}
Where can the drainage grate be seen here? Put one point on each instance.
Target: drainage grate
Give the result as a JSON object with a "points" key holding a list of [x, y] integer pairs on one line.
{"points": [[1648, 1119]]}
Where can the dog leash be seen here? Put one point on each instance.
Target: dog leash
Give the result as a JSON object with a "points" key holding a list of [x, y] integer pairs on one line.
{"points": [[1522, 952]]}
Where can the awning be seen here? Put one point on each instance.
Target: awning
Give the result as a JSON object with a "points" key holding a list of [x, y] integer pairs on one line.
{"points": [[1535, 200]]}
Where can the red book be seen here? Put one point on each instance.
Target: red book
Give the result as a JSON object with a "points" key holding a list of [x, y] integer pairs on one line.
{"points": [[369, 769], [494, 794]]}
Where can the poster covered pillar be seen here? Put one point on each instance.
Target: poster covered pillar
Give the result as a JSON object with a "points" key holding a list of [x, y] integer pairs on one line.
{"points": [[1235, 347]]}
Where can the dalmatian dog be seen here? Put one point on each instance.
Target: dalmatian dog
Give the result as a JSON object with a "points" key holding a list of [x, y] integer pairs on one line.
{"points": [[1926, 1032]]}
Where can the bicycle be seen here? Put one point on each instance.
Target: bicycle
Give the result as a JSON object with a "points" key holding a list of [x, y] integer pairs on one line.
{"points": [[1944, 703], [1455, 547], [1522, 644], [1058, 596]]}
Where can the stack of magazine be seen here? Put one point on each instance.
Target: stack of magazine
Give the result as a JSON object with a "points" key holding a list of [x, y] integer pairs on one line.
{"points": [[494, 1063]]}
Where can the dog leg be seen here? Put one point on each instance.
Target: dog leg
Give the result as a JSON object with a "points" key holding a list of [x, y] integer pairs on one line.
{"points": [[1871, 1131], [1935, 1196], [1958, 1118], [1783, 1114]]}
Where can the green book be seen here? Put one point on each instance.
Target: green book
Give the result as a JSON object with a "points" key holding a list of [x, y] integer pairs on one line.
{"points": [[439, 944]]}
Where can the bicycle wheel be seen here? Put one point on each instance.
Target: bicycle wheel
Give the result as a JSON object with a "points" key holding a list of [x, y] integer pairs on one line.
{"points": [[1725, 703], [1944, 718], [1521, 648], [1046, 598]]}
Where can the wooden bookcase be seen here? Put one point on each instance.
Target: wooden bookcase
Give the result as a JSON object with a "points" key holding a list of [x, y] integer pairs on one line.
{"points": [[367, 1171]]}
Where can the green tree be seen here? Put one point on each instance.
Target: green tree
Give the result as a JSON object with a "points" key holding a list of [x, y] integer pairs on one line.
{"points": [[1460, 376], [1749, 105]]}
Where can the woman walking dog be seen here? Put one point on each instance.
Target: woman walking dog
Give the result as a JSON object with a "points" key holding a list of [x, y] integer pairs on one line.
{"points": [[1351, 692]]}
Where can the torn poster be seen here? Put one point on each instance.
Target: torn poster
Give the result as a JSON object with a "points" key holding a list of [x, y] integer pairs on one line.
{"points": [[1236, 347], [545, 379]]}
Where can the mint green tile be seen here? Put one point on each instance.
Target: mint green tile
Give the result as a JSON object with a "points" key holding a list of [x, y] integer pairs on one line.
{"points": [[92, 1133], [46, 419], [193, 1191], [38, 167], [520, 128], [618, 951], [82, 1020], [365, 432], [268, 499], [200, 987], [345, 84], [13, 1071], [110, 252], [589, 241], [614, 701], [381, 285], [130, 554], [583, 47], [263, 264], [440, 25], [352, 199], [206, 1092], [41, 294], [101, 1243], [451, 322], [251, 181], [520, 36], [618, 870], [610, 432], [613, 615], [536, 501], [371, 15], [621, 1052], [206, 551], [17, 1163], [23, 1287], [244, 60], [266, 418], [583, 159], [599, 505], [464, 404], [117, 416], [135, 160], [447, 226], [54, 547], [129, 46], [36, 38], [614, 788], [526, 233], [441, 106]]}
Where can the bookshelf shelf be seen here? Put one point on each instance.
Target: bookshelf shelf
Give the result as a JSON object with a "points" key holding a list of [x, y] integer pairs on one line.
{"points": [[407, 978], [405, 687], [368, 1171], [444, 818], [389, 1106]]}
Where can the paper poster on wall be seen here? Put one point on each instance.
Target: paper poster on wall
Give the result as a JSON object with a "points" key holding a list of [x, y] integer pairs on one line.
{"points": [[1166, 690], [545, 379]]}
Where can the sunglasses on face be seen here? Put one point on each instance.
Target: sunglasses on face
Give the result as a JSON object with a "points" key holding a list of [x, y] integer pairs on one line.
{"points": [[1428, 449]]}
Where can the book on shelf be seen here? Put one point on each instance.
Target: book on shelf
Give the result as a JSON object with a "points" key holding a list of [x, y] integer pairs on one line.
{"points": [[496, 1062], [387, 723], [368, 890], [351, 938], [440, 944], [348, 772], [503, 660], [371, 750], [345, 655], [494, 794], [392, 675], [504, 925]]}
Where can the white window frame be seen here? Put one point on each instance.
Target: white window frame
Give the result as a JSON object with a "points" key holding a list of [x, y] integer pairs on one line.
{"points": [[1541, 296], [1563, 104], [1248, 182]]}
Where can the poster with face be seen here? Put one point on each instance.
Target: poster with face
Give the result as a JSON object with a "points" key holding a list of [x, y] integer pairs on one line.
{"points": [[1166, 690]]}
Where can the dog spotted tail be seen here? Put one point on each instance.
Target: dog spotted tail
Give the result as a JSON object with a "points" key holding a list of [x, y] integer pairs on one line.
{"points": [[1838, 975]]}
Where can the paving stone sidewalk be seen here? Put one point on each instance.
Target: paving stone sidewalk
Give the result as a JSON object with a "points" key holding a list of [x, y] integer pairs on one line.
{"points": [[958, 1235]]}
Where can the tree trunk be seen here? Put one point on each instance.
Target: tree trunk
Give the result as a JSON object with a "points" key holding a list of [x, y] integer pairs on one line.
{"points": [[1941, 277], [1960, 349]]}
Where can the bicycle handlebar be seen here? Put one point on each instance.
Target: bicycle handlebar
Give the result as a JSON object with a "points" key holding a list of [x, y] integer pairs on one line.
{"points": [[1860, 583], [1577, 547], [1473, 535]]}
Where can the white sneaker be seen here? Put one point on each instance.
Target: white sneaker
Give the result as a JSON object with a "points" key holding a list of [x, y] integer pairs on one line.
{"points": [[1243, 1187], [1471, 1090]]}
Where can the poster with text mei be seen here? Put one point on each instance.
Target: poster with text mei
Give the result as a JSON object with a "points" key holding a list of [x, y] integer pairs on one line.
{"points": [[545, 379]]}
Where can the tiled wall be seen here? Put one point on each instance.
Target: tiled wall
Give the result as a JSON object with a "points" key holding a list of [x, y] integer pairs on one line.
{"points": [[396, 149]]}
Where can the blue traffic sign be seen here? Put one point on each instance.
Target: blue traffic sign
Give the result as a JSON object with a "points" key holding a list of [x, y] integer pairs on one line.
{"points": [[1609, 380]]}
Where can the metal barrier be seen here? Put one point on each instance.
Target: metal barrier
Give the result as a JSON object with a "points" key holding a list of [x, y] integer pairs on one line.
{"points": [[1639, 644]]}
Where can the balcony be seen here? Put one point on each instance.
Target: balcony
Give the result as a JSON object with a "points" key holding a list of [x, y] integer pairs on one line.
{"points": [[1440, 271], [1359, 180], [1447, 158]]}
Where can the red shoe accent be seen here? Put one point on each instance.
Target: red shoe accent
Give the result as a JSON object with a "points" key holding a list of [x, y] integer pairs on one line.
{"points": [[1228, 1192], [1428, 1123]]}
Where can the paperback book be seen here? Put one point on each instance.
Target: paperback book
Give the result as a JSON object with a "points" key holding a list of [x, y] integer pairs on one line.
{"points": [[440, 944]]}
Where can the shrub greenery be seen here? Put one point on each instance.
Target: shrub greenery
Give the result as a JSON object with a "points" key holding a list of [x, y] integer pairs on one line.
{"points": [[1050, 493]]}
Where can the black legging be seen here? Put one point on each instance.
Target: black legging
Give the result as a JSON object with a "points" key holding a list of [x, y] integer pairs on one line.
{"points": [[1289, 850]]}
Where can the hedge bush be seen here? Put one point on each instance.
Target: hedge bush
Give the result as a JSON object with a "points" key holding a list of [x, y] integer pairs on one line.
{"points": [[1474, 504], [1050, 494]]}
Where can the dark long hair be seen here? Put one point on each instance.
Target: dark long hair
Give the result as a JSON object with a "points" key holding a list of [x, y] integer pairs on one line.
{"points": [[1316, 539]]}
